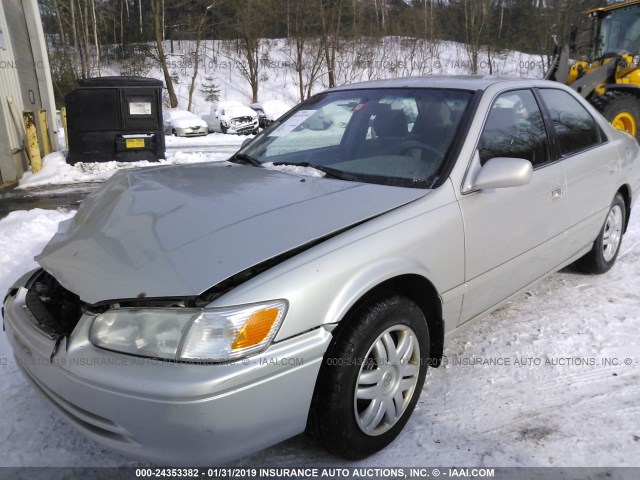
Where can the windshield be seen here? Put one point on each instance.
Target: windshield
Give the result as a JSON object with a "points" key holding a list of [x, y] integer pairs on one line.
{"points": [[619, 31], [388, 136]]}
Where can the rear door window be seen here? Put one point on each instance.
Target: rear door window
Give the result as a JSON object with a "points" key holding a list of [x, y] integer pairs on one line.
{"points": [[576, 129]]}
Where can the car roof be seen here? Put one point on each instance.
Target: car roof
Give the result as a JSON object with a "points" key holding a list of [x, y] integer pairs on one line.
{"points": [[179, 111], [460, 82]]}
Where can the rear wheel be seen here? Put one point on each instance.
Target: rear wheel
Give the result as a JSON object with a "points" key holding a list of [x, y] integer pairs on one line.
{"points": [[371, 378], [606, 247], [622, 110]]}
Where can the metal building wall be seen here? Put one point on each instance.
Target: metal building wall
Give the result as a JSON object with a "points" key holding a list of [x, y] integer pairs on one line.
{"points": [[24, 77], [43, 72], [11, 164]]}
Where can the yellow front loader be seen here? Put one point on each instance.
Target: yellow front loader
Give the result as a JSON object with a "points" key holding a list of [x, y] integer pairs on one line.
{"points": [[610, 78]]}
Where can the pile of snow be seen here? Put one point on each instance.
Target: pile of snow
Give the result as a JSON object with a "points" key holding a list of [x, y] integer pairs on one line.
{"points": [[295, 170], [62, 141], [55, 170], [23, 234]]}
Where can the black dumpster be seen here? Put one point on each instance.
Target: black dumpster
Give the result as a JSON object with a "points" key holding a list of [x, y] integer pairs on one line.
{"points": [[115, 118]]}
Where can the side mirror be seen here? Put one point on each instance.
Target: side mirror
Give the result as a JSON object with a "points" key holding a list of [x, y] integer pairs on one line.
{"points": [[502, 172], [246, 142]]}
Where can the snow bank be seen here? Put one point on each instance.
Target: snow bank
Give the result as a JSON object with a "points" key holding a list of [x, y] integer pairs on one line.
{"points": [[23, 234], [56, 171]]}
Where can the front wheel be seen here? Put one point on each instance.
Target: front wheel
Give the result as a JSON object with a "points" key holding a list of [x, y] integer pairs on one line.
{"points": [[606, 247], [371, 378], [622, 110]]}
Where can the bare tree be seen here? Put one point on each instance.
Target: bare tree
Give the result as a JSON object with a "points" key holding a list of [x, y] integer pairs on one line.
{"points": [[250, 16], [330, 17], [476, 18], [76, 44], [95, 34], [156, 8], [202, 12]]}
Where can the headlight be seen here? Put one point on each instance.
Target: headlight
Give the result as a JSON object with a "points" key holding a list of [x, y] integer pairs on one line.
{"points": [[187, 334], [636, 60]]}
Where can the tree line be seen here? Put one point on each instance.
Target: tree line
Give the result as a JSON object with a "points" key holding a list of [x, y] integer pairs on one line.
{"points": [[139, 34]]}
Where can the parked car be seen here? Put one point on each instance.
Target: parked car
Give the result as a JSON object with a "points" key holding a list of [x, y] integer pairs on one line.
{"points": [[263, 120], [274, 109], [231, 117], [237, 307], [183, 123]]}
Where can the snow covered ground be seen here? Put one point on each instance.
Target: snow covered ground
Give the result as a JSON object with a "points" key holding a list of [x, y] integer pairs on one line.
{"points": [[214, 147], [578, 407]]}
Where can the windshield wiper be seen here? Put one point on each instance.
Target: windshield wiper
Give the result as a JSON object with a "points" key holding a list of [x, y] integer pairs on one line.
{"points": [[243, 157], [330, 172]]}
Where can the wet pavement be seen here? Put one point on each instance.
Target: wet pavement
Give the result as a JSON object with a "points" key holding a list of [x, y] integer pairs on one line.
{"points": [[48, 197]]}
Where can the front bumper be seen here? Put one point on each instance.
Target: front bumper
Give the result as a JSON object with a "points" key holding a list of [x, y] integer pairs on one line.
{"points": [[170, 413], [242, 128], [191, 132]]}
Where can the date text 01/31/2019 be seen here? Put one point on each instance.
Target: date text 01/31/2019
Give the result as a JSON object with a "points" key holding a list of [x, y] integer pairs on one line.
{"points": [[299, 473]]}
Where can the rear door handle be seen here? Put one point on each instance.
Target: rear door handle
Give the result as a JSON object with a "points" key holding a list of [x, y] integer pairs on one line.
{"points": [[556, 193]]}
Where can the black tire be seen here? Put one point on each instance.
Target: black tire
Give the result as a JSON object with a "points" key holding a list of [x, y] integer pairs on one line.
{"points": [[223, 129], [602, 256], [336, 414], [175, 134], [625, 107]]}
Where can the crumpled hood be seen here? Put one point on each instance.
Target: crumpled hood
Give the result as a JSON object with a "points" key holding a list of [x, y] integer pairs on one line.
{"points": [[179, 230], [237, 111]]}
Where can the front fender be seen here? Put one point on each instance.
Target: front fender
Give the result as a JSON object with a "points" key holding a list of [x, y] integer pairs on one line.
{"points": [[425, 238]]}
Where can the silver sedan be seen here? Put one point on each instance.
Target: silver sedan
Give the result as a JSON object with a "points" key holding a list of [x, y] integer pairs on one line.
{"points": [[193, 314], [183, 123]]}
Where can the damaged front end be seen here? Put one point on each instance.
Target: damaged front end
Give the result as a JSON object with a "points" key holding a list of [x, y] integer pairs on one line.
{"points": [[128, 403], [55, 310]]}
